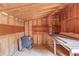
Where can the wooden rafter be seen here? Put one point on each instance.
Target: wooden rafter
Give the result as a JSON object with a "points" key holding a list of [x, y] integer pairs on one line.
{"points": [[31, 11]]}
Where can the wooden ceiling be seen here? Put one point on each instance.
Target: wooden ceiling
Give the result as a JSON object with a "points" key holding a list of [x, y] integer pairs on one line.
{"points": [[29, 11]]}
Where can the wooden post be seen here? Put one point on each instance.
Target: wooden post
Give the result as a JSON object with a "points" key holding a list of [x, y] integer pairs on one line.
{"points": [[54, 47]]}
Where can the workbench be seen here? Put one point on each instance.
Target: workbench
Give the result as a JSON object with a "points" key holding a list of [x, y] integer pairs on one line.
{"points": [[71, 44]]}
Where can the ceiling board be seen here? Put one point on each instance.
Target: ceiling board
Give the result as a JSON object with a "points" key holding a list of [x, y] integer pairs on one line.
{"points": [[31, 10]]}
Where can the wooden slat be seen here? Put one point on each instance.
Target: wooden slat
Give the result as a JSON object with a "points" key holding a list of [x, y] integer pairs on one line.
{"points": [[30, 28], [26, 28]]}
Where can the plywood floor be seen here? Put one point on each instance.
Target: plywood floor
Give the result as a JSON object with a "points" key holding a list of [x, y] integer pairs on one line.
{"points": [[35, 51]]}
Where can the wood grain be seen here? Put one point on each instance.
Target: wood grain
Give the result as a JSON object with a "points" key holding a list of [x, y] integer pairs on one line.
{"points": [[68, 19], [10, 29]]}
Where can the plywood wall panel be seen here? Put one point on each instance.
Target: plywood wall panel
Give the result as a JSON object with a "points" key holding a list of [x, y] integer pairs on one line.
{"points": [[71, 22], [40, 39], [72, 12], [78, 26], [30, 28], [35, 39], [49, 40], [20, 34], [39, 21], [3, 19], [34, 22], [38, 29], [44, 38], [11, 20], [21, 22], [13, 44], [69, 18], [4, 46], [77, 10], [16, 21], [16, 44], [26, 28], [9, 29], [10, 33]]}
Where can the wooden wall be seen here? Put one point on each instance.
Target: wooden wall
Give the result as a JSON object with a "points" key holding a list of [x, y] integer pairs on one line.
{"points": [[38, 29], [11, 29], [68, 19]]}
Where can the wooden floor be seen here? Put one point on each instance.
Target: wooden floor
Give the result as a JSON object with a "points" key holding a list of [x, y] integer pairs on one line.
{"points": [[35, 51]]}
